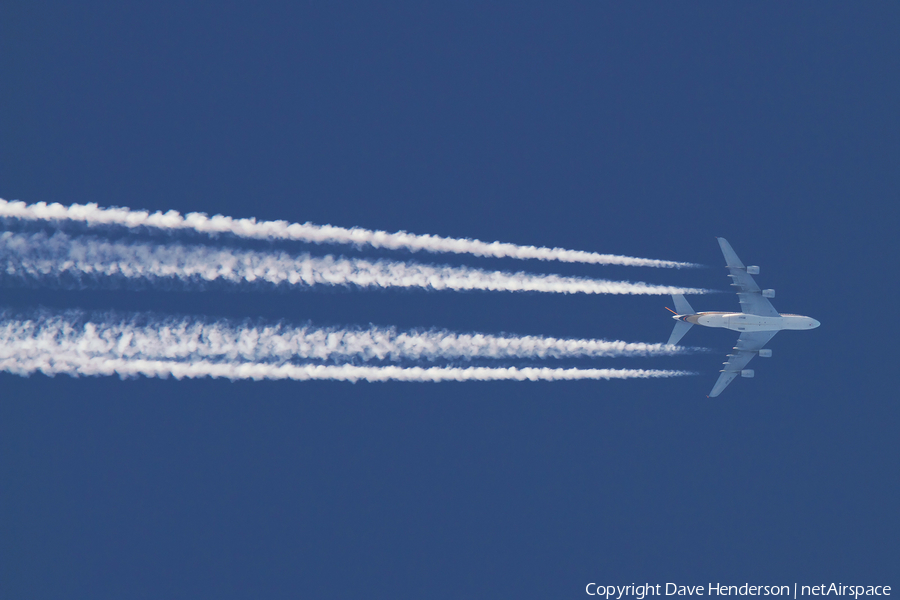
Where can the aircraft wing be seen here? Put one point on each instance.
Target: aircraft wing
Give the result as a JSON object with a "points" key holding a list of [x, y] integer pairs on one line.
{"points": [[748, 345], [749, 294]]}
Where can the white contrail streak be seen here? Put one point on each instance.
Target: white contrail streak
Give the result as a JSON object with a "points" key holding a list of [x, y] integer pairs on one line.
{"points": [[93, 215], [149, 337], [41, 257], [259, 371], [60, 345]]}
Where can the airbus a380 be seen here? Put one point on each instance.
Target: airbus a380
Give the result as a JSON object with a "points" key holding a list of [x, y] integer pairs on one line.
{"points": [[758, 320]]}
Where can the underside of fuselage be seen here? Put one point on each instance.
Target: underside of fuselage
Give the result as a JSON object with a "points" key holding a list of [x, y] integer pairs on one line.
{"points": [[747, 322]]}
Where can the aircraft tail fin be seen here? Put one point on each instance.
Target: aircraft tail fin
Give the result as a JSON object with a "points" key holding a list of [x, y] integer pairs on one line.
{"points": [[682, 307], [681, 328]]}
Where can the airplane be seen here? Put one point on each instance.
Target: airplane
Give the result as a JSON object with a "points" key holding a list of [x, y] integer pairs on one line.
{"points": [[758, 320]]}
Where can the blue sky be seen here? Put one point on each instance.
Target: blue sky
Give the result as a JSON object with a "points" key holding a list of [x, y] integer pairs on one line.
{"points": [[643, 130]]}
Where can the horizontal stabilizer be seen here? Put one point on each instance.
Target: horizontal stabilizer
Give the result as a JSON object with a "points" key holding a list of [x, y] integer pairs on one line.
{"points": [[682, 307], [681, 328]]}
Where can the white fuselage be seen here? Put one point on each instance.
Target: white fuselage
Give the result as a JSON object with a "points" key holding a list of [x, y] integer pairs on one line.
{"points": [[745, 322]]}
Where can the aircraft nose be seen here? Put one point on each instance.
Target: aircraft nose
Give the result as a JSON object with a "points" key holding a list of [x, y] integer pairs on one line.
{"points": [[813, 323]]}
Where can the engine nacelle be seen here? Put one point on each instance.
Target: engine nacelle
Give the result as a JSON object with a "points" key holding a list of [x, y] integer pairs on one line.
{"points": [[765, 353], [747, 373], [768, 293], [753, 270]]}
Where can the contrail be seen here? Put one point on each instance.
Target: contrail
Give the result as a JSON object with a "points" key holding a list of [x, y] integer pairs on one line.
{"points": [[52, 258], [93, 215], [63, 345], [150, 337], [78, 365]]}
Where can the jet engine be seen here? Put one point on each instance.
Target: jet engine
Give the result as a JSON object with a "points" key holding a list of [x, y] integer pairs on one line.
{"points": [[753, 270], [768, 293], [765, 353], [747, 373]]}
